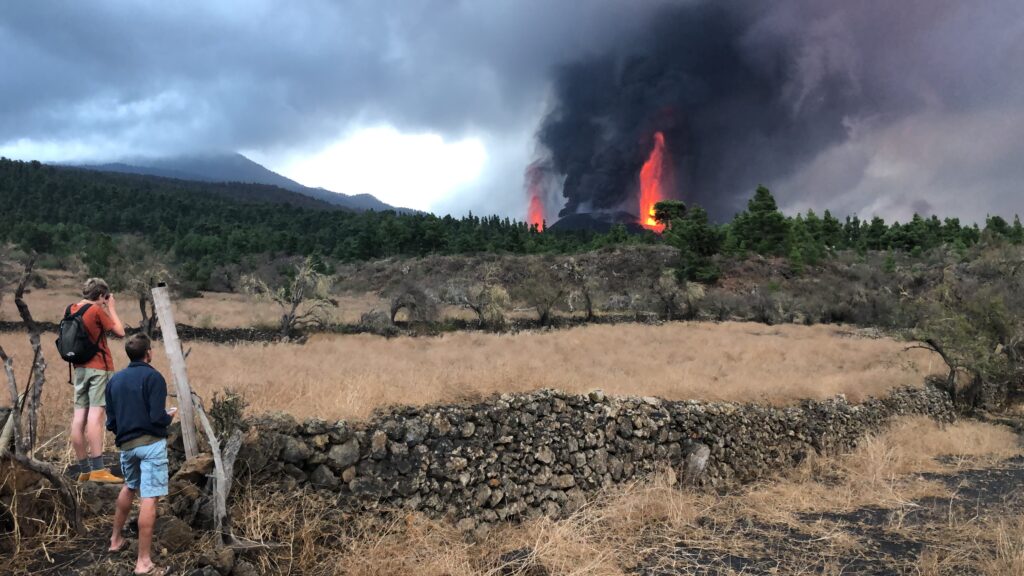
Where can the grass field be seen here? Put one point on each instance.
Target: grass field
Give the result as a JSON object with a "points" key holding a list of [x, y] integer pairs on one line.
{"points": [[336, 376], [797, 523]]}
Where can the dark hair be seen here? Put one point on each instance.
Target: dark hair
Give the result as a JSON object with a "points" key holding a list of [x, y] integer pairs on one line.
{"points": [[95, 288], [136, 346]]}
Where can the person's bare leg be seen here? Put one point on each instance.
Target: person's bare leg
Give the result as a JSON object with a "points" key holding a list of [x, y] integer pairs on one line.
{"points": [[97, 422], [147, 518], [124, 508], [78, 423]]}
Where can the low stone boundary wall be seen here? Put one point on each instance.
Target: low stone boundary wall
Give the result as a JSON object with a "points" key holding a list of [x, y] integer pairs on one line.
{"points": [[520, 455], [185, 332]]}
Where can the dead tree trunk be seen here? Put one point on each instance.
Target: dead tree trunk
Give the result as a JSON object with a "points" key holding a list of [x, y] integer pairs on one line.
{"points": [[966, 399], [148, 323], [23, 457], [37, 375], [223, 472]]}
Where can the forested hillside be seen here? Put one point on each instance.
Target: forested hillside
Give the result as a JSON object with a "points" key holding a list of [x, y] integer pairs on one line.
{"points": [[200, 226], [57, 210]]}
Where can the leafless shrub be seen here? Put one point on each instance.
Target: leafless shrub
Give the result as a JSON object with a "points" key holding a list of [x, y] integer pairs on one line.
{"points": [[720, 306], [675, 299], [488, 299], [136, 269], [419, 305], [24, 452], [377, 322], [304, 298], [765, 308], [582, 287], [542, 288]]}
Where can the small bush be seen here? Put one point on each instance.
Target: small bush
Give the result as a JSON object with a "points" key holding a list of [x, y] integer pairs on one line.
{"points": [[377, 322], [227, 413], [420, 305], [487, 300], [542, 288]]}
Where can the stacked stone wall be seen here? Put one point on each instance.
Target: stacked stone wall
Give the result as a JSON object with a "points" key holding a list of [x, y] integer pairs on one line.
{"points": [[520, 455]]}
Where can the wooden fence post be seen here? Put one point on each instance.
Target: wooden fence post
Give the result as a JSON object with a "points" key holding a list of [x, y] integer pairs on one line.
{"points": [[162, 302]]}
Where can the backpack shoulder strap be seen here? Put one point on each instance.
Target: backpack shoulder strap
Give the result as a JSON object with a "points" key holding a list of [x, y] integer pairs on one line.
{"points": [[81, 311]]}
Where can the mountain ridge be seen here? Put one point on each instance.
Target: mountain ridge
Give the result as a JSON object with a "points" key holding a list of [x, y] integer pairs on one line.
{"points": [[235, 167]]}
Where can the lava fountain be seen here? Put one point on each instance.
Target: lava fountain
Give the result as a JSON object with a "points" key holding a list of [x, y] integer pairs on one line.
{"points": [[535, 213], [535, 189], [651, 181]]}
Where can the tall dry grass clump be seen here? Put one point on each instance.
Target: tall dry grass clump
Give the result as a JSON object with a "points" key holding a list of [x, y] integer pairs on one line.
{"points": [[1008, 554], [882, 471]]}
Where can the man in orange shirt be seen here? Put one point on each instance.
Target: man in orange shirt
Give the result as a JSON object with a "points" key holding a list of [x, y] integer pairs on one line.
{"points": [[91, 378]]}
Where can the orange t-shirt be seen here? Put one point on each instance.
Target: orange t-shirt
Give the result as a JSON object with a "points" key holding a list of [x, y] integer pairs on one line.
{"points": [[97, 323]]}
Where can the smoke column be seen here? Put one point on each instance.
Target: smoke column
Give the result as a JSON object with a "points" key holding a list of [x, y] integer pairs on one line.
{"points": [[744, 93]]}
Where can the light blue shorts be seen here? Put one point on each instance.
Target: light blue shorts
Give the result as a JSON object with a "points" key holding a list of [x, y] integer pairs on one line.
{"points": [[145, 469]]}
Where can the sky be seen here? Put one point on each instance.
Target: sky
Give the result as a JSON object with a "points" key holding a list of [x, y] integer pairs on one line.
{"points": [[436, 104]]}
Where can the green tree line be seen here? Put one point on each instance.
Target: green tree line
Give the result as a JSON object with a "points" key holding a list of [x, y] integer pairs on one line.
{"points": [[57, 210], [808, 238]]}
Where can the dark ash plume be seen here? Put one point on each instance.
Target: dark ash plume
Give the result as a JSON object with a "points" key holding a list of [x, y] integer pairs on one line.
{"points": [[745, 93]]}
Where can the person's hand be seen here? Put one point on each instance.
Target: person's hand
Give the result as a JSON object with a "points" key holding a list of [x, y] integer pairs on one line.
{"points": [[109, 302], [172, 412]]}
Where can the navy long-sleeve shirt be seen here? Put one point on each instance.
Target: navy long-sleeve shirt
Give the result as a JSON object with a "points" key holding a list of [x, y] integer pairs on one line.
{"points": [[136, 397]]}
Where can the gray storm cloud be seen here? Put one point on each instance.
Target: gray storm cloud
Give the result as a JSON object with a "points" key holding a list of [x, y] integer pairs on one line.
{"points": [[869, 107], [171, 77]]}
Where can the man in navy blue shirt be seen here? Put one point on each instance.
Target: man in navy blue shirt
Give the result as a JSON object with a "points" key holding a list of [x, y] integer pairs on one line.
{"points": [[136, 414]]}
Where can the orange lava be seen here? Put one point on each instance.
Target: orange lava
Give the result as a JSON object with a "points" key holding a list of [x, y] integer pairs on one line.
{"points": [[535, 188], [651, 180], [535, 213]]}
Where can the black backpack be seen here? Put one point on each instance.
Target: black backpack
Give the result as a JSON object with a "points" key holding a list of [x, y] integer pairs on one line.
{"points": [[73, 341]]}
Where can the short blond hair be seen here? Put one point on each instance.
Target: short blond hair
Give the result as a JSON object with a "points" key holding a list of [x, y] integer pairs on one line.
{"points": [[95, 288]]}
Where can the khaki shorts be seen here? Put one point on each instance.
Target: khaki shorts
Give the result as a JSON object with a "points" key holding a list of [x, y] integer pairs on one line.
{"points": [[91, 387]]}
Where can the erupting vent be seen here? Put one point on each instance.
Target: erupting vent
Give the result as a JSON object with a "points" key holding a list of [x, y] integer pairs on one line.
{"points": [[535, 215], [651, 180], [535, 188]]}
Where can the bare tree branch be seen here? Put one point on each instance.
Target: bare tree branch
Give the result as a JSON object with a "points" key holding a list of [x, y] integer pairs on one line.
{"points": [[14, 418], [37, 375], [223, 470], [24, 459]]}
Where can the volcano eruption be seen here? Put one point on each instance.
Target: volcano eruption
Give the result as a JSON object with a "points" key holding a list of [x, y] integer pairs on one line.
{"points": [[536, 193], [652, 178], [706, 95]]}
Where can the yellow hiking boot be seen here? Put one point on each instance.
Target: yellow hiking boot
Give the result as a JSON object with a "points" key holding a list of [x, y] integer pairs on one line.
{"points": [[104, 477], [84, 476]]}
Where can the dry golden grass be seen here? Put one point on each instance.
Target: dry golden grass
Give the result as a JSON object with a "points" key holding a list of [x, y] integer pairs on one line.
{"points": [[347, 377], [336, 376], [1008, 557], [881, 471], [634, 523]]}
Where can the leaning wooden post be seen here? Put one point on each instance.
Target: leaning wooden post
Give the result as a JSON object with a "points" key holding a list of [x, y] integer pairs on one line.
{"points": [[162, 301]]}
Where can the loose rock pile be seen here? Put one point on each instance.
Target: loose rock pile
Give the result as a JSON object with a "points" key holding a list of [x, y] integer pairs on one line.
{"points": [[522, 455]]}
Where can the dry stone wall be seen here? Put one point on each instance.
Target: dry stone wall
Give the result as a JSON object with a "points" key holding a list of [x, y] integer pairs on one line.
{"points": [[520, 455]]}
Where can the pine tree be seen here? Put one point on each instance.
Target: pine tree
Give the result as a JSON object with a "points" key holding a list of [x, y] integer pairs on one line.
{"points": [[762, 228]]}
